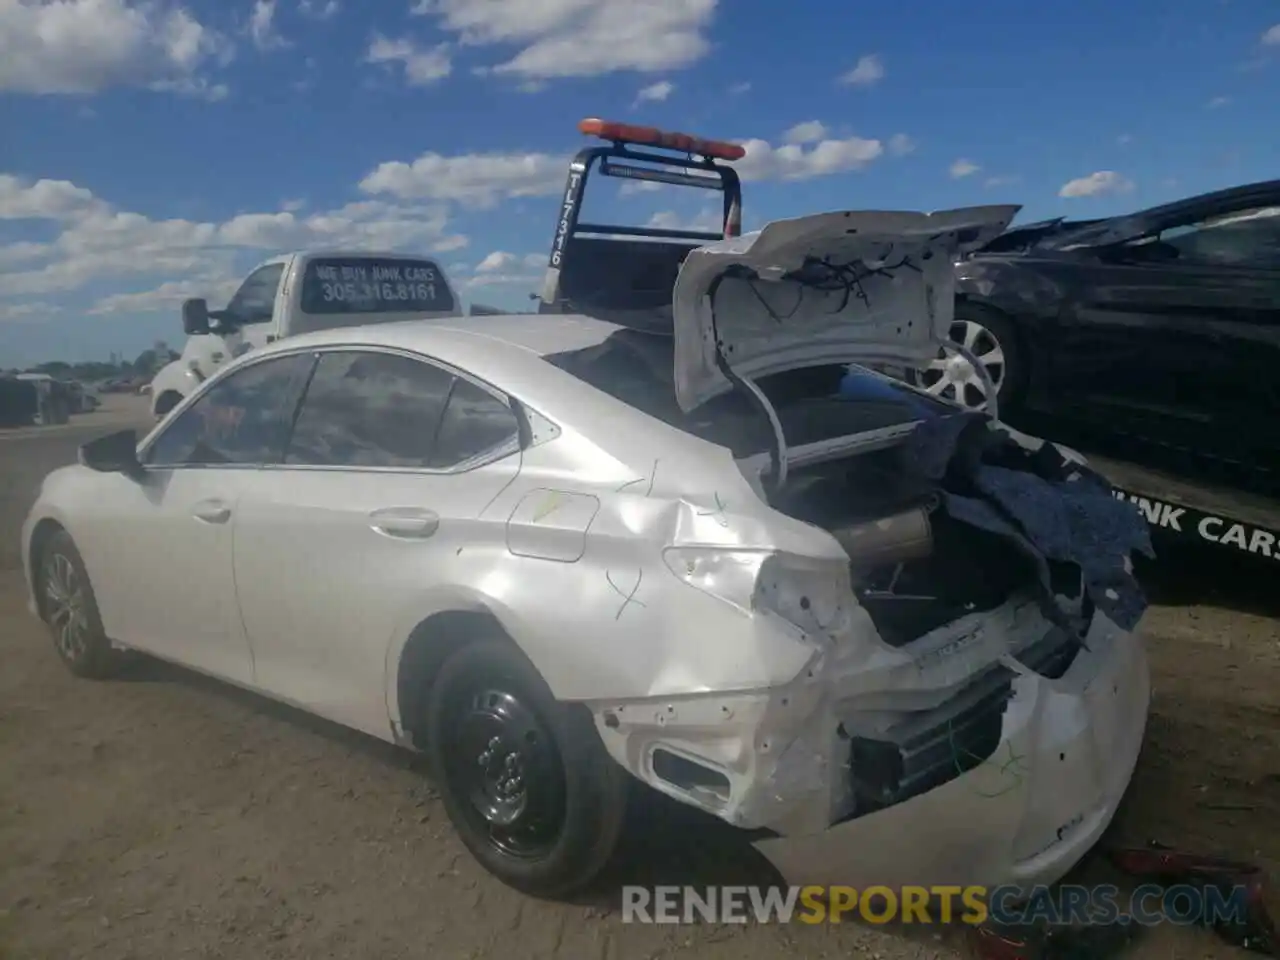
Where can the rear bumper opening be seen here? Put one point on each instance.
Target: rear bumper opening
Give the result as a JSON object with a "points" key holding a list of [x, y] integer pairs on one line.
{"points": [[1010, 782], [954, 763]]}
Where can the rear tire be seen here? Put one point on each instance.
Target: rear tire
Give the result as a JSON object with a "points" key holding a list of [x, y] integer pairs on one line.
{"points": [[70, 609], [525, 780]]}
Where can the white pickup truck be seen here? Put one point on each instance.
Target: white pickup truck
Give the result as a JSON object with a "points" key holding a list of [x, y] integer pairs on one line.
{"points": [[298, 293]]}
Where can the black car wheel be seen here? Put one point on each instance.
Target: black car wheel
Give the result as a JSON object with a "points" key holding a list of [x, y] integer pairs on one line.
{"points": [[990, 337], [69, 607], [526, 781]]}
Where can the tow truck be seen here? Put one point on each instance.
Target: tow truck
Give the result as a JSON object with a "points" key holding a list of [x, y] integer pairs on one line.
{"points": [[626, 274]]}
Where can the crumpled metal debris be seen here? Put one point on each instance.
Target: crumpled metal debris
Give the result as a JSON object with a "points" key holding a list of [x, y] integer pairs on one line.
{"points": [[1049, 506]]}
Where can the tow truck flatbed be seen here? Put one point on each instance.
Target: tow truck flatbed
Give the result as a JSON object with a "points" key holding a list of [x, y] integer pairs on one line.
{"points": [[1206, 513]]}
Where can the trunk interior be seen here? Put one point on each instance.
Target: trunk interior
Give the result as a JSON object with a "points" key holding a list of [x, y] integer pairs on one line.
{"points": [[915, 568]]}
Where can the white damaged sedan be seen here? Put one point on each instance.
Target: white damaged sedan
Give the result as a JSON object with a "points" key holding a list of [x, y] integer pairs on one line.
{"points": [[891, 638]]}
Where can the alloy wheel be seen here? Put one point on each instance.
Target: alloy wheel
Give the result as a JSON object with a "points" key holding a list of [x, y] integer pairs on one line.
{"points": [[66, 606], [953, 377]]}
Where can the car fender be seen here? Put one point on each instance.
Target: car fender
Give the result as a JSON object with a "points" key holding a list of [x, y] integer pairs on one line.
{"points": [[175, 377], [1016, 286], [43, 509], [445, 599]]}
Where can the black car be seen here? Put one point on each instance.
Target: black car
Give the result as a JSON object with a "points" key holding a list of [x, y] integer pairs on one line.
{"points": [[1159, 328]]}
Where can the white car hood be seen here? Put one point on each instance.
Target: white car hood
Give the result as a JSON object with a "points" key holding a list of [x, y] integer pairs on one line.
{"points": [[877, 288]]}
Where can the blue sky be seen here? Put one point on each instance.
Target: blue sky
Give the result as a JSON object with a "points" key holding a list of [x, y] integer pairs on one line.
{"points": [[151, 151]]}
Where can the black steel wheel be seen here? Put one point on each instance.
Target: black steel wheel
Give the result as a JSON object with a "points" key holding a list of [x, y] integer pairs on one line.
{"points": [[505, 760], [526, 781]]}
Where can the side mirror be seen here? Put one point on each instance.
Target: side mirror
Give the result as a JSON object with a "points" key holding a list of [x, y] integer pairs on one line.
{"points": [[114, 453], [195, 317]]}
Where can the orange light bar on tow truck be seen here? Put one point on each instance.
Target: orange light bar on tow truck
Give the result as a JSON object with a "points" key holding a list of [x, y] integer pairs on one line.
{"points": [[653, 137]]}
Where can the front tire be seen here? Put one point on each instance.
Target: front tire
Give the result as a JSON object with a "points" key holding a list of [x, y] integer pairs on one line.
{"points": [[70, 609], [525, 780]]}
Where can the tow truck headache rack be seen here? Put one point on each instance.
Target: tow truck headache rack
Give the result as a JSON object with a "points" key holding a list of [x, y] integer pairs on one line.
{"points": [[632, 154]]}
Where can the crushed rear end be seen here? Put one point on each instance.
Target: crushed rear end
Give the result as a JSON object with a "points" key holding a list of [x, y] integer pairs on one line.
{"points": [[976, 700]]}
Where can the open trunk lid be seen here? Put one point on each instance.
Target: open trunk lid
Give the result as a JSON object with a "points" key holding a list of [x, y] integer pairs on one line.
{"points": [[868, 287]]}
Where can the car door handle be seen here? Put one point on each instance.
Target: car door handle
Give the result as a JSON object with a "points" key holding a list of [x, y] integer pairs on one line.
{"points": [[212, 511], [405, 523]]}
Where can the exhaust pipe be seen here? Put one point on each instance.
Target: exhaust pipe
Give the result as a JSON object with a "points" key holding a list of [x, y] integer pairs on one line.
{"points": [[888, 541]]}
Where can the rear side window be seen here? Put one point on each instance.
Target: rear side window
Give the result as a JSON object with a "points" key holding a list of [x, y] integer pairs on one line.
{"points": [[370, 410], [335, 285], [475, 422]]}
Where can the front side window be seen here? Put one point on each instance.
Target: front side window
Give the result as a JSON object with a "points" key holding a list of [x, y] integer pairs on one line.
{"points": [[241, 420], [255, 301], [1242, 238]]}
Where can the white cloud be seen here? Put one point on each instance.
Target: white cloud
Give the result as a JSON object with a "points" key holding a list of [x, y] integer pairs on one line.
{"points": [[867, 72], [422, 66], [809, 131], [262, 29], [655, 92], [630, 187], [318, 9], [44, 199], [500, 261], [900, 145], [485, 179], [213, 288], [708, 221], [738, 89], [579, 38], [1001, 180], [84, 46], [1103, 181], [1217, 102], [507, 269], [1271, 37], [529, 280], [963, 168], [195, 87], [478, 180], [30, 310], [98, 241], [793, 161], [24, 251], [1124, 139]]}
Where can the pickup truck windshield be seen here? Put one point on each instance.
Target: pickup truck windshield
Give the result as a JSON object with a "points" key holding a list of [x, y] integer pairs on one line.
{"points": [[336, 285]]}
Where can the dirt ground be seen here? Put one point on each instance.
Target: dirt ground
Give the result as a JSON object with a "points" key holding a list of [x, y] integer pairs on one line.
{"points": [[166, 816]]}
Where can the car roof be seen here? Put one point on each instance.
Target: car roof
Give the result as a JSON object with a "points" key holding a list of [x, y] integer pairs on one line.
{"points": [[506, 351], [541, 334]]}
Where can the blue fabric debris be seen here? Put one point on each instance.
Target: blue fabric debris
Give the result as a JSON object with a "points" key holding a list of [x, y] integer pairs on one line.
{"points": [[1049, 507]]}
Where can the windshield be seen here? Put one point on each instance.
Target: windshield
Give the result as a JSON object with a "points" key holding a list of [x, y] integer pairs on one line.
{"points": [[813, 404]]}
